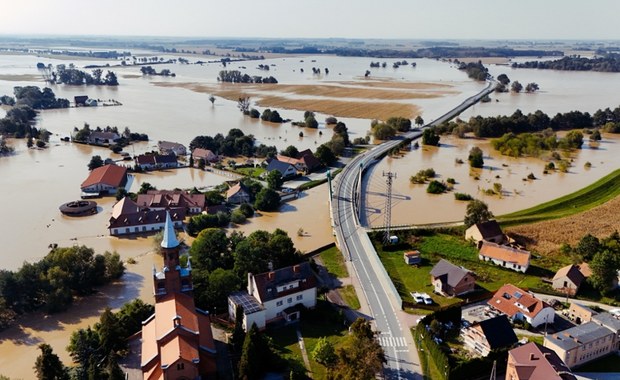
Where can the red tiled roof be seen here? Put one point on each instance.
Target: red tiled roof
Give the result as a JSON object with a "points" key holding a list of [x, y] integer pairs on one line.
{"points": [[112, 175], [507, 297], [532, 361], [505, 253], [236, 189]]}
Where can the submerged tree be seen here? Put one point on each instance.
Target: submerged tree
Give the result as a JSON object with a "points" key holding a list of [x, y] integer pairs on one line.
{"points": [[477, 212]]}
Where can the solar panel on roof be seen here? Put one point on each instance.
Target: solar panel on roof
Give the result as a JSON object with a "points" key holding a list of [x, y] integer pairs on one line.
{"points": [[518, 295], [249, 304]]}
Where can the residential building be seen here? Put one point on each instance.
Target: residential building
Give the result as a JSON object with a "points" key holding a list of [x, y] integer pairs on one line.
{"points": [[485, 231], [168, 147], [582, 344], [80, 100], [286, 170], [412, 257], [491, 334], [535, 362], [204, 154], [505, 256], [517, 304], [129, 218], [103, 138], [451, 280], [568, 280], [580, 313], [238, 194], [105, 180], [177, 341], [612, 322], [156, 161], [166, 199], [275, 296], [305, 162]]}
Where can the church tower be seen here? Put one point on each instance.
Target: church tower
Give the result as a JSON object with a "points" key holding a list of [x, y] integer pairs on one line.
{"points": [[173, 278]]}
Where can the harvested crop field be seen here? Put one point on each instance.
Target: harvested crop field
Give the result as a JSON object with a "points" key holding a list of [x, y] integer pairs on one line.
{"points": [[547, 237], [404, 85], [325, 98]]}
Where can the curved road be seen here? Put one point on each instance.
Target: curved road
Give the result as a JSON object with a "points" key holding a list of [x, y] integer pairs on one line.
{"points": [[383, 302]]}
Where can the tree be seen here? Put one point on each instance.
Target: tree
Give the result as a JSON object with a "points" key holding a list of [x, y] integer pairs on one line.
{"points": [[324, 353], [244, 104], [503, 79], [247, 210], [110, 79], [604, 265], [587, 247], [290, 151], [210, 250], [430, 137], [419, 121], [475, 158], [212, 99], [255, 356], [361, 357], [95, 162], [274, 180], [477, 212], [113, 370], [83, 345], [238, 335], [220, 283], [267, 200], [145, 187], [311, 122], [596, 135], [48, 366], [383, 131], [237, 217], [108, 329], [325, 155], [516, 87], [531, 87]]}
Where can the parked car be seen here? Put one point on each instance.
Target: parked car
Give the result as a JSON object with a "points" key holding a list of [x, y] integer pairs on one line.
{"points": [[427, 299], [417, 297]]}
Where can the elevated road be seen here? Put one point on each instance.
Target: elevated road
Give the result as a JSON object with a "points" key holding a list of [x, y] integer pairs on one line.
{"points": [[384, 303]]}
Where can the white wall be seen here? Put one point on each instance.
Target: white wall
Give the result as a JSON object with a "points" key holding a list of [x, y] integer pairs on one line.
{"points": [[272, 308], [545, 315]]}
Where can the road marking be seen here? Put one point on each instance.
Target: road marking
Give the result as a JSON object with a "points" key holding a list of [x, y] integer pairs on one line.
{"points": [[390, 341]]}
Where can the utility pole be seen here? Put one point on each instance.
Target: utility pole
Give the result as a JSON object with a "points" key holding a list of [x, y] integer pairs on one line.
{"points": [[329, 181], [493, 371], [388, 205]]}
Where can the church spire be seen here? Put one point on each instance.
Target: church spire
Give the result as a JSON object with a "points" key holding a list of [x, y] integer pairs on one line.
{"points": [[170, 238]]}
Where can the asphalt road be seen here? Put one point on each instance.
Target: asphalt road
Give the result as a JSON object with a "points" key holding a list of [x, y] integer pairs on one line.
{"points": [[384, 307]]}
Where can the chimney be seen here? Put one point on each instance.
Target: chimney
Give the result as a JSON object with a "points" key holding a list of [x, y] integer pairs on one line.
{"points": [[533, 356], [296, 269], [272, 275]]}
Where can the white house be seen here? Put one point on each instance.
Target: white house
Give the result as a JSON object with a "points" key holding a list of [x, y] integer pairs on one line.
{"points": [[276, 295], [287, 170], [168, 147], [505, 256], [129, 218], [488, 231], [517, 304]]}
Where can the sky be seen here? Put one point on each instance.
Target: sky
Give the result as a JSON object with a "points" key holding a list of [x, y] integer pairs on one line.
{"points": [[365, 19]]}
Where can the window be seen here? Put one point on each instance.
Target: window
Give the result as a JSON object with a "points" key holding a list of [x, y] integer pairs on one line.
{"points": [[279, 303], [290, 300], [180, 366], [300, 297]]}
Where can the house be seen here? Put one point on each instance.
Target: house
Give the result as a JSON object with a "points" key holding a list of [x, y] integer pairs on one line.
{"points": [[177, 340], [129, 218], [612, 322], [80, 100], [533, 361], [568, 280], [91, 102], [104, 180], [580, 313], [517, 304], [167, 147], [451, 280], [204, 154], [412, 257], [238, 194], [505, 256], [491, 334], [166, 199], [582, 344], [156, 161], [485, 231], [103, 138], [286, 170], [305, 161], [276, 295]]}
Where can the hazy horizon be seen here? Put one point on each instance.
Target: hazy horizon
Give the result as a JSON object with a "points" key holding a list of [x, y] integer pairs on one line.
{"points": [[550, 20]]}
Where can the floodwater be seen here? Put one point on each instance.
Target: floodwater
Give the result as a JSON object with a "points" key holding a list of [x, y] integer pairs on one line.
{"points": [[36, 182]]}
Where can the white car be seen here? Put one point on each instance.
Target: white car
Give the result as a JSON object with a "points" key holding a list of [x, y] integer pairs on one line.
{"points": [[417, 297], [427, 299]]}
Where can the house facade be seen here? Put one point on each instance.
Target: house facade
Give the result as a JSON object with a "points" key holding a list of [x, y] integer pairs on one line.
{"points": [[568, 280], [168, 147], [305, 162], [580, 313], [485, 231], [286, 170], [275, 295], [533, 361], [491, 334], [504, 256], [203, 154], [166, 199], [177, 341], [129, 218], [451, 280], [105, 180], [156, 161], [517, 304], [238, 194], [103, 138]]}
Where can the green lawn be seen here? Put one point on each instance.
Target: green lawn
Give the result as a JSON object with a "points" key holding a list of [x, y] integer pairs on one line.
{"points": [[591, 196], [609, 363], [348, 294], [334, 262], [434, 247], [251, 172], [537, 339], [324, 321]]}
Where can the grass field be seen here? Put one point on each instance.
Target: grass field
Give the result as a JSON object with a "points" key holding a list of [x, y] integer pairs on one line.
{"points": [[334, 262], [591, 196], [250, 172], [350, 297], [434, 247]]}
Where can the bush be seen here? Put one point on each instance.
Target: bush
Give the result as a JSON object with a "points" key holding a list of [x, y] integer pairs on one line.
{"points": [[462, 197], [237, 217], [422, 176], [247, 210], [429, 137], [436, 187], [475, 158], [451, 181]]}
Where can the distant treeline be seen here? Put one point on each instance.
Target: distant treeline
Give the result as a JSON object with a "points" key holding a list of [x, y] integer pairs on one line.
{"points": [[52, 282], [233, 144], [235, 76], [610, 63], [73, 76], [497, 126]]}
